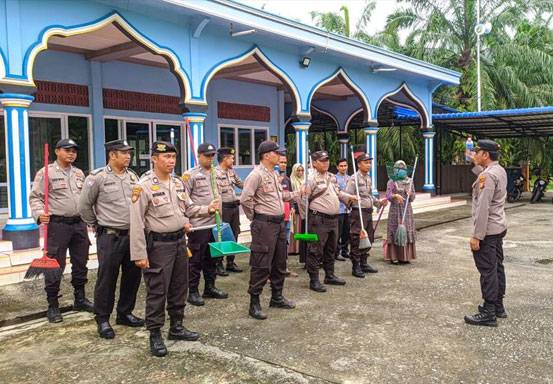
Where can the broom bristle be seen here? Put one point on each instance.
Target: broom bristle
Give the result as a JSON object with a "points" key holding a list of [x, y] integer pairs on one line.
{"points": [[400, 239], [44, 265]]}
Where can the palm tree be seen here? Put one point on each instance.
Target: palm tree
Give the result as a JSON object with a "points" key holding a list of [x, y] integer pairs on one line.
{"points": [[340, 23]]}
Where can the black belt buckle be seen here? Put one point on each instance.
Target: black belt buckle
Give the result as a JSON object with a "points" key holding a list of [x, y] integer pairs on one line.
{"points": [[172, 236], [116, 232]]}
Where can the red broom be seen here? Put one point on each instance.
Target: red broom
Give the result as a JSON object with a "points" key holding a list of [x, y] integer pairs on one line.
{"points": [[45, 265]]}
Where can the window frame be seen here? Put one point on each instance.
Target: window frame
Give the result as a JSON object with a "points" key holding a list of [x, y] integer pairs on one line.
{"points": [[252, 129]]}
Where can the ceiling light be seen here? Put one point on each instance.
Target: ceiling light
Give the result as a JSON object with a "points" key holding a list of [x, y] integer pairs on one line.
{"points": [[242, 33], [305, 61]]}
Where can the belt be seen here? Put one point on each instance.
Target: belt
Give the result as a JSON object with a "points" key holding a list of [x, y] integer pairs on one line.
{"points": [[326, 216], [65, 219], [114, 231], [356, 209], [269, 218], [167, 236], [231, 204]]}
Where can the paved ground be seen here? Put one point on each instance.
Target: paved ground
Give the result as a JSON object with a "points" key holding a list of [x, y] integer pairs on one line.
{"points": [[404, 324]]}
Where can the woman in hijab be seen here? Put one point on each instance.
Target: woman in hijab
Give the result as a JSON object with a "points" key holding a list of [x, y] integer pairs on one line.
{"points": [[297, 179], [397, 192]]}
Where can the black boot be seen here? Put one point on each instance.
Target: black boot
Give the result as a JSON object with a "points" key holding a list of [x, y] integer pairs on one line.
{"points": [[129, 320], [339, 257], [315, 284], [194, 298], [232, 267], [368, 269], [214, 293], [279, 301], [53, 313], [486, 317], [178, 332], [332, 279], [220, 270], [255, 308], [499, 310], [356, 270], [81, 302], [104, 329], [157, 346]]}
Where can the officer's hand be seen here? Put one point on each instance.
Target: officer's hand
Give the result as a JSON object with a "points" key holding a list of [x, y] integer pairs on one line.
{"points": [[187, 227], [353, 198], [214, 205], [399, 198], [142, 264], [44, 219], [474, 244], [384, 202]]}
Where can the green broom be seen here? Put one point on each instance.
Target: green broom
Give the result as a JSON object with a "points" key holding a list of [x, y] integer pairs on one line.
{"points": [[400, 238], [306, 236]]}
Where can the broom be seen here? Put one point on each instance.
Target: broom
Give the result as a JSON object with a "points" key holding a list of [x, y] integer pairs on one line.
{"points": [[45, 265], [364, 241], [306, 236], [400, 238]]}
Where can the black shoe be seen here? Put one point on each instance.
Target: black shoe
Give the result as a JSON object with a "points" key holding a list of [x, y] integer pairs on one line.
{"points": [[105, 330], [340, 258], [499, 311], [315, 285], [232, 267], [486, 317], [81, 302], [334, 280], [394, 262], [357, 272], [279, 301], [157, 346], [368, 269], [194, 298], [345, 255], [220, 270], [53, 313], [214, 293], [129, 320], [178, 332], [404, 262], [255, 308]]}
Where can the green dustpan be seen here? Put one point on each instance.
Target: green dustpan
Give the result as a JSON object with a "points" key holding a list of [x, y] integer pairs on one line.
{"points": [[308, 237], [226, 248]]}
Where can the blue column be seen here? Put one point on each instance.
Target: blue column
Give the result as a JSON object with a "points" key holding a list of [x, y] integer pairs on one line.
{"points": [[195, 120], [371, 133], [20, 228], [429, 161], [302, 147], [343, 140]]}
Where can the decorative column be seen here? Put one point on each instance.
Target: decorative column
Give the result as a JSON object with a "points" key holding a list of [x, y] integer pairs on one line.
{"points": [[371, 133], [21, 229], [429, 161], [343, 140], [302, 147], [195, 136]]}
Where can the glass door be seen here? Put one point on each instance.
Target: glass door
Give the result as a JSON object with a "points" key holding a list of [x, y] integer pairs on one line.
{"points": [[138, 136], [43, 130], [171, 134]]}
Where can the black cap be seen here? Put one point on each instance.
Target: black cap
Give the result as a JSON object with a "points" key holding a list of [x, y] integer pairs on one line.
{"points": [[225, 151], [67, 143], [117, 145], [363, 157], [163, 147], [320, 155], [270, 146], [206, 149], [487, 145]]}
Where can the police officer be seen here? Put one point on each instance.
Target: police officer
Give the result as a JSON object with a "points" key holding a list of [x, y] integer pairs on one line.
{"points": [[359, 256], [104, 205], [489, 192], [228, 179], [324, 205], [262, 201], [65, 227], [342, 177], [198, 184], [159, 204]]}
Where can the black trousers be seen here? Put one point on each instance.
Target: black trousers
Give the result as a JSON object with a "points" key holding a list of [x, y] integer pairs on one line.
{"points": [[166, 281], [343, 234], [359, 256], [325, 249], [114, 255], [232, 217], [63, 236], [489, 262], [201, 259], [268, 256]]}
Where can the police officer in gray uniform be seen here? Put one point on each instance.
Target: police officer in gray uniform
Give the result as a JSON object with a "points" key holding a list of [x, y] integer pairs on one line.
{"points": [[104, 205], [66, 230], [198, 184], [489, 193], [158, 223]]}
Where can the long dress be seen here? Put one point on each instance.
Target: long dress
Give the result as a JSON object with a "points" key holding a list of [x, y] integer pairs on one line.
{"points": [[394, 252]]}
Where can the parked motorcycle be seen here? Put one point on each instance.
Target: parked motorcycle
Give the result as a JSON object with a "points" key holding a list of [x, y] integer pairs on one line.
{"points": [[515, 193], [540, 186]]}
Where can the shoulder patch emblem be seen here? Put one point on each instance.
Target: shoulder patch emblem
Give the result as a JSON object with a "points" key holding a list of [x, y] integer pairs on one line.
{"points": [[185, 177], [136, 194], [482, 181], [155, 187]]}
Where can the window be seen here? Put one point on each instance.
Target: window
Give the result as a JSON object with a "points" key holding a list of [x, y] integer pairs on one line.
{"points": [[43, 130], [244, 140], [111, 129], [171, 134], [78, 131]]}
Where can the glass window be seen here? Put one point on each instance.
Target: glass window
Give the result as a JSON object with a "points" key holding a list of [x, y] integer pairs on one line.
{"points": [[43, 130], [3, 170], [171, 134], [78, 131], [111, 129], [138, 136], [227, 137], [244, 146], [259, 136]]}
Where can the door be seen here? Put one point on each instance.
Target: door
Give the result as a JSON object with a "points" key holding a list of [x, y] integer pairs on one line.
{"points": [[138, 136]]}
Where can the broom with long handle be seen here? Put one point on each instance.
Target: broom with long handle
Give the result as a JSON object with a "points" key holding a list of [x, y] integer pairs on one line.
{"points": [[44, 265], [400, 238], [364, 241], [306, 236]]}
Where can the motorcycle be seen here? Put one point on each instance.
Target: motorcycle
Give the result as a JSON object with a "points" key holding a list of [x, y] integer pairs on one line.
{"points": [[540, 186], [515, 193]]}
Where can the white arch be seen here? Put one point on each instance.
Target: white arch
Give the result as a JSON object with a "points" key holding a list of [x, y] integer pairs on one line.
{"points": [[341, 73], [404, 87], [351, 117], [259, 55], [2, 67], [329, 115]]}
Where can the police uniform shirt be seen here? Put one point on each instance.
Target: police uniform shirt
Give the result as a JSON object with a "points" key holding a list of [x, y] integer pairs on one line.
{"points": [[489, 192], [227, 179], [325, 187], [158, 207], [64, 189], [365, 190], [106, 197], [197, 182]]}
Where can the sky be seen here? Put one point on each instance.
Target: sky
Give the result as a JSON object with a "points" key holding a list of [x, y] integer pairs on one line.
{"points": [[300, 9]]}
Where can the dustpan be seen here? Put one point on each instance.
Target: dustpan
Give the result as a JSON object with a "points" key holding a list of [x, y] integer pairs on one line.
{"points": [[306, 236]]}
